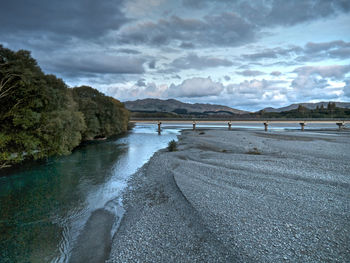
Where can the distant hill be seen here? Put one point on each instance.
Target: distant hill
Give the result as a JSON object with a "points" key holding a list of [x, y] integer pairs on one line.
{"points": [[311, 106], [175, 106]]}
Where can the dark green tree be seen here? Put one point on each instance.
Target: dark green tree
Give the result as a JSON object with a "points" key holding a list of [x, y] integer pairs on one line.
{"points": [[104, 116], [39, 116]]}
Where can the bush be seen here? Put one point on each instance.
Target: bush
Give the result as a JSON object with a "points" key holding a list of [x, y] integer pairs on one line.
{"points": [[172, 146], [255, 151]]}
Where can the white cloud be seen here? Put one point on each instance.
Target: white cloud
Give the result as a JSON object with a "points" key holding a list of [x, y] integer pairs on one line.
{"points": [[196, 87], [332, 71], [319, 82]]}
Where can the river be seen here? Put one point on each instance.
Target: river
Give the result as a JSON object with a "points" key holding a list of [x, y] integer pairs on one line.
{"points": [[45, 206]]}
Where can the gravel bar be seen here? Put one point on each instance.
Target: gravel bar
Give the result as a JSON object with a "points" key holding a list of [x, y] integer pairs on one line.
{"points": [[240, 196]]}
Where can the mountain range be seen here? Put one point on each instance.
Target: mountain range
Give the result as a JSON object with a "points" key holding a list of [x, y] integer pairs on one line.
{"points": [[310, 106], [172, 105]]}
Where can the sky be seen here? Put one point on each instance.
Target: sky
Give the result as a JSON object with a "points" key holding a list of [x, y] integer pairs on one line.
{"points": [[244, 54]]}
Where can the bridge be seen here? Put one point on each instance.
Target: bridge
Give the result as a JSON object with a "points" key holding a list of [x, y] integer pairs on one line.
{"points": [[302, 122]]}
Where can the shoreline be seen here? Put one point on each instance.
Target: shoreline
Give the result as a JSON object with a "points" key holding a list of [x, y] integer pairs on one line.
{"points": [[215, 201]]}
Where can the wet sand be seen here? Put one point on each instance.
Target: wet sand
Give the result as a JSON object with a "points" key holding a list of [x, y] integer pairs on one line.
{"points": [[240, 196], [94, 242]]}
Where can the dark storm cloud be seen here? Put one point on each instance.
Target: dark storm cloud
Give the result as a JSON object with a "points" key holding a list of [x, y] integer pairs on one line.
{"points": [[250, 73], [79, 18], [225, 29], [234, 23], [227, 78]]}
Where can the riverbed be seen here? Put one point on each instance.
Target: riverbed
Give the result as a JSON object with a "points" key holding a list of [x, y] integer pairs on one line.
{"points": [[48, 207]]}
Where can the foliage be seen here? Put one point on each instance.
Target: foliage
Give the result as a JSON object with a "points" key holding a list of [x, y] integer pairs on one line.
{"points": [[302, 112], [172, 146], [39, 116], [104, 116]]}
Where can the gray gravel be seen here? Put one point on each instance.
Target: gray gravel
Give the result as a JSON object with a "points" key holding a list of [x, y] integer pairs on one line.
{"points": [[240, 196]]}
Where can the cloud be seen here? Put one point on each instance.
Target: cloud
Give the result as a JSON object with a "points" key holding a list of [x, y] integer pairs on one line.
{"points": [[312, 47], [319, 51], [333, 71], [273, 53], [250, 73], [225, 29], [315, 82], [149, 90], [253, 94], [275, 73], [295, 12], [187, 45], [189, 88], [346, 88], [195, 87], [152, 64], [258, 93], [96, 63], [310, 52], [86, 19], [227, 78], [193, 61], [140, 7], [276, 12], [128, 51], [141, 83]]}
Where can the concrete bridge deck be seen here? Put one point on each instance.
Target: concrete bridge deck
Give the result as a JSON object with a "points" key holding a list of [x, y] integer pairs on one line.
{"points": [[266, 122], [296, 121]]}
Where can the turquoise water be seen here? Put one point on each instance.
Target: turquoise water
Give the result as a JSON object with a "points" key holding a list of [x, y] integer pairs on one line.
{"points": [[45, 206]]}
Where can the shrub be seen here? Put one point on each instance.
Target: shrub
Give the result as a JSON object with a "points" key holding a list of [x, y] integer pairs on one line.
{"points": [[172, 146], [255, 151]]}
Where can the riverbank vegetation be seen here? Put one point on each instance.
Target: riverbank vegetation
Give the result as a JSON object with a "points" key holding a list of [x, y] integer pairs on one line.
{"points": [[172, 146], [331, 111], [40, 116]]}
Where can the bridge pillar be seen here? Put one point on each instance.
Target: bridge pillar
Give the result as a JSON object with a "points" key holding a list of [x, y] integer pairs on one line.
{"points": [[159, 128], [266, 124], [194, 125], [302, 125], [229, 125], [340, 125]]}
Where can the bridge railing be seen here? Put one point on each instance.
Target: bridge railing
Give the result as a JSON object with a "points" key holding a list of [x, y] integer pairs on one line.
{"points": [[240, 119]]}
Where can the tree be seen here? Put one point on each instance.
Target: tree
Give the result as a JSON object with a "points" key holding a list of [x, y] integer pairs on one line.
{"points": [[39, 116], [104, 116]]}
